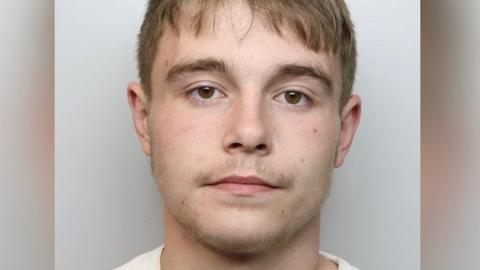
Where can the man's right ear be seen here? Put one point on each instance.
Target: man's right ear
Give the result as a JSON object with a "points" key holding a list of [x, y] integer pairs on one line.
{"points": [[139, 107]]}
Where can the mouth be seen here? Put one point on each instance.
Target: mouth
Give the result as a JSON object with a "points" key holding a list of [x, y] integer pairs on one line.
{"points": [[243, 186]]}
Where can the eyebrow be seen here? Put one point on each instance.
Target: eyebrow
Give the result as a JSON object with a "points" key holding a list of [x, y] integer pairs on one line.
{"points": [[206, 64], [316, 73], [211, 64]]}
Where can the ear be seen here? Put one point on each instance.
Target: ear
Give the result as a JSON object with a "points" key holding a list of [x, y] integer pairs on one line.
{"points": [[350, 119], [139, 107]]}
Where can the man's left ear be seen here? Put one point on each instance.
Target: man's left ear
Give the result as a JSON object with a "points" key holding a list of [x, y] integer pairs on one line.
{"points": [[350, 119]]}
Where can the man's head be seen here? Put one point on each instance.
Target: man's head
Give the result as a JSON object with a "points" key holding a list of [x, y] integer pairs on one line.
{"points": [[239, 110]]}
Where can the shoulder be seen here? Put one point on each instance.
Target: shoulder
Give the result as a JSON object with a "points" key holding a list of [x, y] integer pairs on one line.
{"points": [[342, 264], [146, 261]]}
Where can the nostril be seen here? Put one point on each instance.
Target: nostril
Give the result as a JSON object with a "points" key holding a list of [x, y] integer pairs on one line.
{"points": [[261, 146], [239, 146], [235, 145]]}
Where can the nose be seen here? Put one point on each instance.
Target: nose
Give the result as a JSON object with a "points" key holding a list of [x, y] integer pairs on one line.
{"points": [[247, 130]]}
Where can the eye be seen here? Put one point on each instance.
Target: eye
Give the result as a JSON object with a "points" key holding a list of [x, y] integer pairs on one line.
{"points": [[204, 93], [293, 97]]}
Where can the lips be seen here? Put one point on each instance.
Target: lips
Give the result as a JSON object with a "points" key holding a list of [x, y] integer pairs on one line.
{"points": [[243, 186], [249, 180]]}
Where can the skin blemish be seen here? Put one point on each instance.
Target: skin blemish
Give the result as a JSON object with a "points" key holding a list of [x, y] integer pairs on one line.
{"points": [[302, 160], [315, 130]]}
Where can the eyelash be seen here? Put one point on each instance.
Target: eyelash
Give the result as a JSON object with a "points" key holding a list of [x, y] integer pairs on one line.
{"points": [[194, 95], [307, 99]]}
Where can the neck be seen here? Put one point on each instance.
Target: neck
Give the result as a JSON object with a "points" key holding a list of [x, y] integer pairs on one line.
{"points": [[182, 251]]}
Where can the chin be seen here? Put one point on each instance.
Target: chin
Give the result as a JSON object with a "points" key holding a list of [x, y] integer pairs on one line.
{"points": [[240, 242], [237, 236]]}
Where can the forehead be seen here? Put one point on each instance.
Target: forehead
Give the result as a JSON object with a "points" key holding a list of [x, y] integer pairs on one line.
{"points": [[232, 33]]}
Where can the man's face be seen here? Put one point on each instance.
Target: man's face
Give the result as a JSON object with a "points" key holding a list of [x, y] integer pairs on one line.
{"points": [[241, 101]]}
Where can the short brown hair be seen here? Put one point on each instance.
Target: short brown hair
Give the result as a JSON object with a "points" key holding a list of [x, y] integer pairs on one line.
{"points": [[320, 24]]}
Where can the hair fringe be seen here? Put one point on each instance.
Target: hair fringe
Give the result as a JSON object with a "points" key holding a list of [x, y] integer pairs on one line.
{"points": [[322, 25]]}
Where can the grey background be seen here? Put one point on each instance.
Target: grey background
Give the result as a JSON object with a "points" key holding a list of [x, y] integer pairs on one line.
{"points": [[107, 207]]}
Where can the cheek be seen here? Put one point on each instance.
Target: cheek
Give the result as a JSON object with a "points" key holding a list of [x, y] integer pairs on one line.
{"points": [[314, 153], [175, 130], [314, 139], [180, 144], [171, 128]]}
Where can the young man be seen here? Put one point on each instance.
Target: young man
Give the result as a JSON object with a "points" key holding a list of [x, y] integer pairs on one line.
{"points": [[245, 109]]}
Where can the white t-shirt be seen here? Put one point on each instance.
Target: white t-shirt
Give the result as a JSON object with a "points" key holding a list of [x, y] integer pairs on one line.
{"points": [[151, 261]]}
